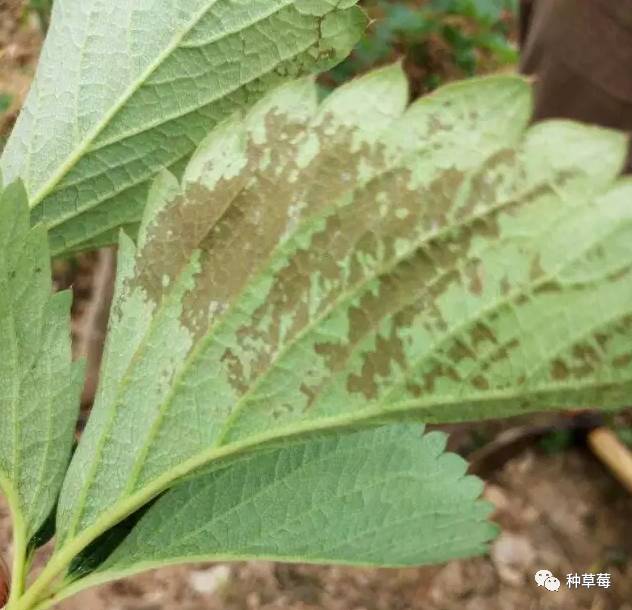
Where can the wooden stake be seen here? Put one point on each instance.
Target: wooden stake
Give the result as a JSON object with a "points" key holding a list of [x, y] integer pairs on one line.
{"points": [[606, 445]]}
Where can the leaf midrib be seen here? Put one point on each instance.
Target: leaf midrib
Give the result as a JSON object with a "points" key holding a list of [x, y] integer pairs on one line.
{"points": [[156, 317], [160, 311], [482, 312], [342, 297], [84, 147], [322, 459], [99, 578], [356, 289], [64, 555], [202, 343], [376, 482], [60, 219], [347, 421], [16, 386], [503, 302]]}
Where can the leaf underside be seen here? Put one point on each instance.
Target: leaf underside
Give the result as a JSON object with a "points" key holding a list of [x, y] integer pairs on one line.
{"points": [[384, 496], [39, 387], [329, 267], [102, 117]]}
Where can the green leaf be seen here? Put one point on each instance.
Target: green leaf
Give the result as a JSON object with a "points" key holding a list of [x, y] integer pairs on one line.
{"points": [[322, 267], [385, 496], [39, 387], [126, 88], [5, 102]]}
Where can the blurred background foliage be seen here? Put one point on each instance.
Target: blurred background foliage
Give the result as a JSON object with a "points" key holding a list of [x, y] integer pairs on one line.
{"points": [[42, 9], [439, 40]]}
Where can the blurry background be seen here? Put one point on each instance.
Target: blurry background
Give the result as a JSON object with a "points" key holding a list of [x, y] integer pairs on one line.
{"points": [[559, 508]]}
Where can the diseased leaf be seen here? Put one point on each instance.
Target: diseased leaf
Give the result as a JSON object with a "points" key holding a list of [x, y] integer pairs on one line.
{"points": [[323, 267], [39, 386], [102, 118], [384, 496]]}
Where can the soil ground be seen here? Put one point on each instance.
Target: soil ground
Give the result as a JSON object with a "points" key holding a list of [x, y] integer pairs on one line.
{"points": [[559, 510]]}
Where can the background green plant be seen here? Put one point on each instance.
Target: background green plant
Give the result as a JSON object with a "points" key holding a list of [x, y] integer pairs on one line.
{"points": [[41, 8], [440, 39]]}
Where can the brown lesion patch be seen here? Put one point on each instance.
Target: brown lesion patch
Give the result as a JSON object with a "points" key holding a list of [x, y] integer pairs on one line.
{"points": [[623, 361], [474, 273], [584, 360], [503, 352], [254, 216], [310, 393], [480, 382], [276, 200], [486, 359], [436, 201], [438, 371], [459, 351], [378, 364], [481, 333], [486, 181], [593, 356], [176, 232], [235, 368], [560, 370]]}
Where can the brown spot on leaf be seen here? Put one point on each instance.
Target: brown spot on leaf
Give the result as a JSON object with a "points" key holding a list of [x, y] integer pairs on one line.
{"points": [[176, 232], [486, 182], [602, 339], [438, 371], [480, 382], [622, 361], [586, 360], [536, 271], [310, 393], [559, 370], [474, 275], [235, 368], [460, 351], [480, 333], [439, 197], [376, 365]]}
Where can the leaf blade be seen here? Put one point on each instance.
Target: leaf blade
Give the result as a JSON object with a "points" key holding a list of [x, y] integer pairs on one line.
{"points": [[86, 167], [418, 269], [39, 386], [383, 496]]}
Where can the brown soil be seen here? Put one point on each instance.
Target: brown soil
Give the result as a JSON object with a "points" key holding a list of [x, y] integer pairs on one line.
{"points": [[562, 511], [20, 42]]}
